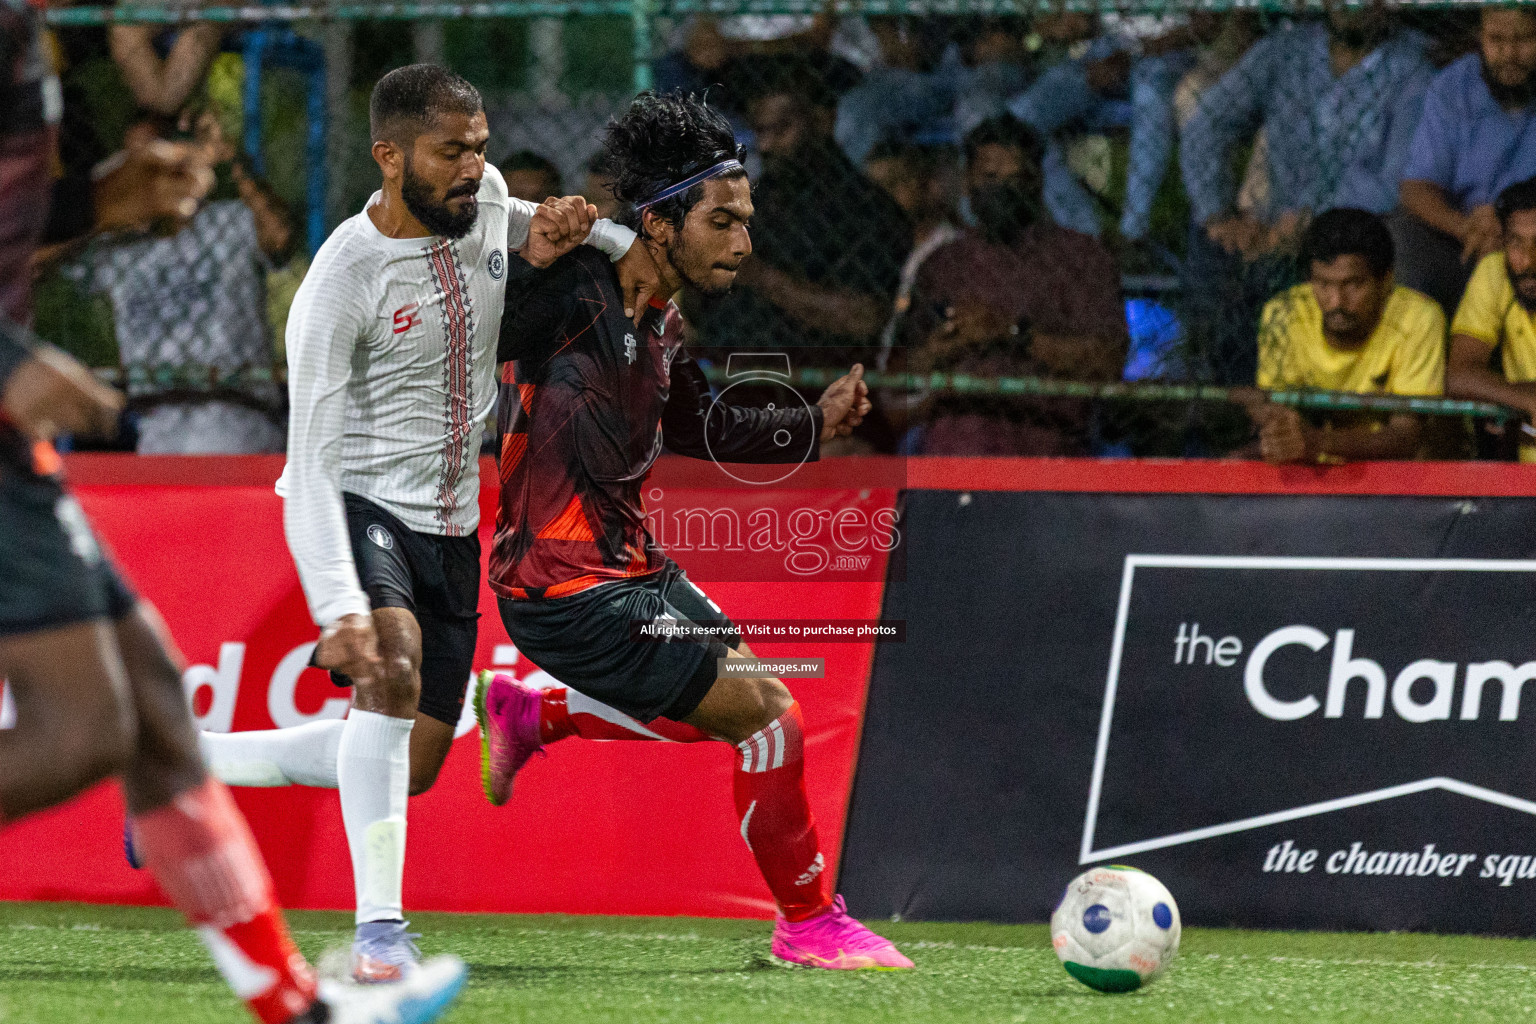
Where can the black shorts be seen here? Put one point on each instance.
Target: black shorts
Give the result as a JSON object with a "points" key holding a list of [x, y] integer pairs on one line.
{"points": [[52, 570], [435, 578], [584, 640]]}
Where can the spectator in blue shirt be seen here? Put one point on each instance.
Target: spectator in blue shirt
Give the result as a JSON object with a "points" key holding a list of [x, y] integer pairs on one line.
{"points": [[907, 93], [1477, 137], [1338, 101]]}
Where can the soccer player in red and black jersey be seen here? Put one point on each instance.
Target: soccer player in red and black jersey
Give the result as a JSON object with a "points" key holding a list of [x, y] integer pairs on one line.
{"points": [[587, 405]]}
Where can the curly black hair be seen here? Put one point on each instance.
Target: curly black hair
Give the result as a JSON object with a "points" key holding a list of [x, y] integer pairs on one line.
{"points": [[661, 140]]}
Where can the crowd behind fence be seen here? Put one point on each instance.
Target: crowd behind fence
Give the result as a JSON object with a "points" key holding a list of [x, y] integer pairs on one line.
{"points": [[1283, 230]]}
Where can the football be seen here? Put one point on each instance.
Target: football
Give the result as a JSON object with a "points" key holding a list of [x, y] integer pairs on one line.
{"points": [[1116, 928]]}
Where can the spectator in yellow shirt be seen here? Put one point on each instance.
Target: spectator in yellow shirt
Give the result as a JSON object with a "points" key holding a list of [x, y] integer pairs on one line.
{"points": [[1352, 328], [1495, 315]]}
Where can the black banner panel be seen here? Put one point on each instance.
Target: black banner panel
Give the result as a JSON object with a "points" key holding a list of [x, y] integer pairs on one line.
{"points": [[1297, 712]]}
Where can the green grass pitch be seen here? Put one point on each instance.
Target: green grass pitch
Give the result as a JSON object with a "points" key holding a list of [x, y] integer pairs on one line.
{"points": [[69, 963]]}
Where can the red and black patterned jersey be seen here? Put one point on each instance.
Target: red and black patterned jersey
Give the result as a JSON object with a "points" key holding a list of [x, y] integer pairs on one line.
{"points": [[587, 405]]}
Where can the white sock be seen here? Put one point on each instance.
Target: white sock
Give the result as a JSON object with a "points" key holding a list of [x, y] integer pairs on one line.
{"points": [[373, 769], [304, 755]]}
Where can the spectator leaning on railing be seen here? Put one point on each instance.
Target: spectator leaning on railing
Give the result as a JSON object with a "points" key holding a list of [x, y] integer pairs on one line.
{"points": [[1017, 295], [1349, 327], [1476, 138], [1495, 316], [1338, 102], [163, 84]]}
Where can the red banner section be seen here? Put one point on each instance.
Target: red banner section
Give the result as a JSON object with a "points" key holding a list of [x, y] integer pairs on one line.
{"points": [[612, 828]]}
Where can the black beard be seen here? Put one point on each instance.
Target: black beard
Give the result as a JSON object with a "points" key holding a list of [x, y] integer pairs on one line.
{"points": [[436, 216], [1509, 95], [679, 260], [1529, 305], [1351, 332]]}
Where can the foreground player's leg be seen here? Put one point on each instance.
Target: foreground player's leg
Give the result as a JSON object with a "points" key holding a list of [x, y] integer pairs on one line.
{"points": [[776, 822], [130, 707], [518, 721], [74, 716], [203, 855], [373, 775]]}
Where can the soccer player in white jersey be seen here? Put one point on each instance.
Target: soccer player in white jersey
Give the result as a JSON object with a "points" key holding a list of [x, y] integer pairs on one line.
{"points": [[391, 373]]}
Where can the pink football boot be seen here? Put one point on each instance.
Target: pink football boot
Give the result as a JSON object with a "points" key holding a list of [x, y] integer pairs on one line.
{"points": [[508, 713], [836, 942]]}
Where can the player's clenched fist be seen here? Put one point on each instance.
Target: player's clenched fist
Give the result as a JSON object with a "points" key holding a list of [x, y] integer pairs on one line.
{"points": [[844, 404], [558, 226], [350, 646]]}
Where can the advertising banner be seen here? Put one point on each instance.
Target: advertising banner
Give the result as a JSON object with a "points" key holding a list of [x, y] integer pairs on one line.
{"points": [[606, 827], [1297, 711]]}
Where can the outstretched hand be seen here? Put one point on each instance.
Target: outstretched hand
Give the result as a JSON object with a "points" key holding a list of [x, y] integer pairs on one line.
{"points": [[844, 404], [558, 226]]}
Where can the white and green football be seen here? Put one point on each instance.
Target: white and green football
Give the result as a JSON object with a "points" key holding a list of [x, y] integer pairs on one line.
{"points": [[1116, 928]]}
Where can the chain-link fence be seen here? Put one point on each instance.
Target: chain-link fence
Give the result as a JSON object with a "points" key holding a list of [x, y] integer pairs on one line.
{"points": [[1046, 229]]}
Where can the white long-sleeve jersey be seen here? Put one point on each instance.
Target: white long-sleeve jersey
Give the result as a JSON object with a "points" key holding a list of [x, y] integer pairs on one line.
{"points": [[391, 375]]}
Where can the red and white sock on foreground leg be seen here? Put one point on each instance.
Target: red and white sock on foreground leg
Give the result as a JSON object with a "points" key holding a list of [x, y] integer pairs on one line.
{"points": [[777, 824], [775, 814], [202, 853], [564, 712]]}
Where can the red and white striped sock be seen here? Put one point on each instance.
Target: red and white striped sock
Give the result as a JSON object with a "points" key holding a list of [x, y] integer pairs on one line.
{"points": [[204, 857], [775, 814], [565, 712]]}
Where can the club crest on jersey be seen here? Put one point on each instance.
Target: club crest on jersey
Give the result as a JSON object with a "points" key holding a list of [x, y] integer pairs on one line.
{"points": [[629, 348], [496, 265], [381, 537]]}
